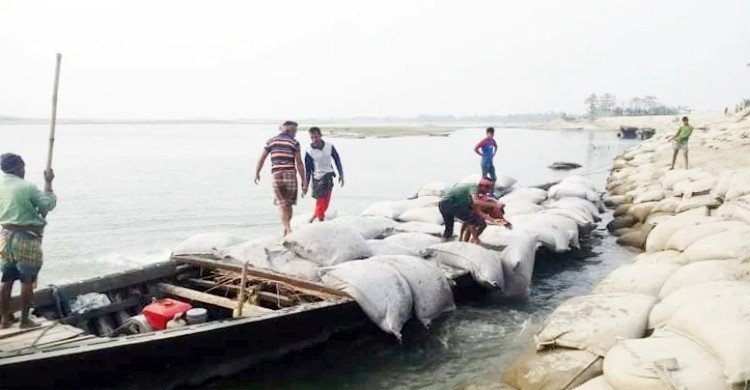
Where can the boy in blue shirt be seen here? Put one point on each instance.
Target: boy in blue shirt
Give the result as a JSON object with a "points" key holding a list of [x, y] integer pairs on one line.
{"points": [[487, 148]]}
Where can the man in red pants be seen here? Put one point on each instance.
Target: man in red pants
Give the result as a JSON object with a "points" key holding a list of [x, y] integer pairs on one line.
{"points": [[319, 161]]}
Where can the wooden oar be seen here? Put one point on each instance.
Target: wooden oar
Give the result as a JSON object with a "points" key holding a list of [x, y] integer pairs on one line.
{"points": [[54, 114]]}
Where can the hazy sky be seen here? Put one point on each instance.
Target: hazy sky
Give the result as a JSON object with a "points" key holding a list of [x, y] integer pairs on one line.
{"points": [[291, 59]]}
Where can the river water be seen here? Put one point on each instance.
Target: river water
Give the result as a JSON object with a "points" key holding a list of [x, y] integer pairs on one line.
{"points": [[130, 193]]}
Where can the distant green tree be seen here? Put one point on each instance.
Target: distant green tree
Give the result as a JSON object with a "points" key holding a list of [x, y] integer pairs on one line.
{"points": [[593, 102]]}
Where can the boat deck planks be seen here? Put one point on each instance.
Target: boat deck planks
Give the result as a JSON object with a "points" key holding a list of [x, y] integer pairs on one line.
{"points": [[39, 337]]}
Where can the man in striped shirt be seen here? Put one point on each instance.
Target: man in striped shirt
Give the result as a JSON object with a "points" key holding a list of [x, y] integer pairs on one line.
{"points": [[286, 158]]}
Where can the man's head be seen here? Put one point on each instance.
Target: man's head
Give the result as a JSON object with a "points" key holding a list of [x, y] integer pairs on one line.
{"points": [[490, 131], [315, 135], [685, 120], [290, 127], [13, 164], [485, 186]]}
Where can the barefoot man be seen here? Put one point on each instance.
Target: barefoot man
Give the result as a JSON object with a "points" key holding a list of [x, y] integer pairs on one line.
{"points": [[286, 163], [681, 141], [458, 202], [22, 211], [319, 161]]}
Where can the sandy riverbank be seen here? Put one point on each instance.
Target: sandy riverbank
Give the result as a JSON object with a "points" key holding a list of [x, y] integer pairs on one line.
{"points": [[676, 316], [662, 123]]}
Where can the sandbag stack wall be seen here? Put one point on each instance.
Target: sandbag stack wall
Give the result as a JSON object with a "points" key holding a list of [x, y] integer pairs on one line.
{"points": [[676, 316]]}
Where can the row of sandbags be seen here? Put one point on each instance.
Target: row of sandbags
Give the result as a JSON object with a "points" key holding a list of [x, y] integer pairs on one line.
{"points": [[408, 231], [689, 292]]}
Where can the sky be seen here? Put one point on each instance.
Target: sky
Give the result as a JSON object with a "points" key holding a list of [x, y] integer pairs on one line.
{"points": [[299, 59]]}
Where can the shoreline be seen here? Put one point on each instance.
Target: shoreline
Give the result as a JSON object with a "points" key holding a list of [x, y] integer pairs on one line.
{"points": [[691, 228]]}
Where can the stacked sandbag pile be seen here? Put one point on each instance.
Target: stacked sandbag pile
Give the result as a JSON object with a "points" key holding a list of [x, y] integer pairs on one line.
{"points": [[689, 292]]}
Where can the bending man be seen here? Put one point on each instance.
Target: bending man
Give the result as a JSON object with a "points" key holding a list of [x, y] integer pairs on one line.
{"points": [[22, 215], [319, 161], [285, 159], [458, 202]]}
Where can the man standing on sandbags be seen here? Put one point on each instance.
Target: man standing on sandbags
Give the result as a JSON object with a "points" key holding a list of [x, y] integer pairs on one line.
{"points": [[285, 160], [457, 202], [23, 209], [487, 148], [681, 141], [319, 161]]}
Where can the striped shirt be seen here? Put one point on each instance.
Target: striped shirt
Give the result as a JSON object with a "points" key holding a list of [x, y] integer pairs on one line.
{"points": [[282, 149]]}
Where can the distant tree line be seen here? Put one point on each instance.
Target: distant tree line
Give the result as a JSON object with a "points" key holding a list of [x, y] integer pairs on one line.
{"points": [[606, 105]]}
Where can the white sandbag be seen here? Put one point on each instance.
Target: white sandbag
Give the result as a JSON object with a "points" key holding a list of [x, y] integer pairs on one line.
{"points": [[560, 368], [644, 278], [722, 184], [661, 234], [429, 215], [729, 244], [382, 293], [713, 291], [616, 200], [559, 191], [700, 187], [582, 204], [369, 227], [206, 244], [635, 237], [327, 243], [706, 271], [673, 177], [666, 205], [531, 194], [255, 252], [697, 201], [301, 268], [484, 265], [386, 248], [500, 237], [430, 289], [649, 196], [597, 383], [504, 182], [581, 218], [550, 236], [304, 218], [518, 260], [414, 241], [686, 236], [641, 211], [680, 188], [433, 188], [657, 218], [387, 209], [739, 184], [595, 322], [579, 180], [521, 207], [642, 364], [723, 326], [737, 211], [420, 227], [561, 222], [667, 256]]}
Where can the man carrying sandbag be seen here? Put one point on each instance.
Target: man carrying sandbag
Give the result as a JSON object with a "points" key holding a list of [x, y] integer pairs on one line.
{"points": [[319, 161], [491, 210], [681, 141], [286, 158], [457, 202], [22, 215]]}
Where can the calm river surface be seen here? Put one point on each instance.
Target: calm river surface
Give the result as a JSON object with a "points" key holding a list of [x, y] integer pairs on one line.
{"points": [[130, 193]]}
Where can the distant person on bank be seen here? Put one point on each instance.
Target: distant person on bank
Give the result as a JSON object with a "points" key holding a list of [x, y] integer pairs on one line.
{"points": [[286, 163], [680, 140], [319, 161], [23, 209], [487, 148], [458, 202]]}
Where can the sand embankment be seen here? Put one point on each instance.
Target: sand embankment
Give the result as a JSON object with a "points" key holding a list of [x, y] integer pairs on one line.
{"points": [[677, 315], [662, 123]]}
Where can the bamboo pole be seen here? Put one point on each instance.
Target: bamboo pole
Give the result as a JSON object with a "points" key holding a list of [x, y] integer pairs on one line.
{"points": [[54, 113], [241, 295]]}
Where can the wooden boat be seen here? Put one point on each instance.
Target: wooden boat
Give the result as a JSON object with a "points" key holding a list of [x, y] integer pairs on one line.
{"points": [[280, 314]]}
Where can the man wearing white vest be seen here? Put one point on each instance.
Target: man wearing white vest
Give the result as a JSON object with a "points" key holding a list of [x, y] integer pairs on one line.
{"points": [[319, 161]]}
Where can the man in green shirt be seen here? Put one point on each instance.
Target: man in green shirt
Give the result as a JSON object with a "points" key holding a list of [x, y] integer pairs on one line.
{"points": [[22, 216], [457, 203], [681, 141]]}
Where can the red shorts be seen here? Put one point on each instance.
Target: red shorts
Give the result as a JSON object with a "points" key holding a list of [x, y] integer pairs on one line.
{"points": [[285, 188]]}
